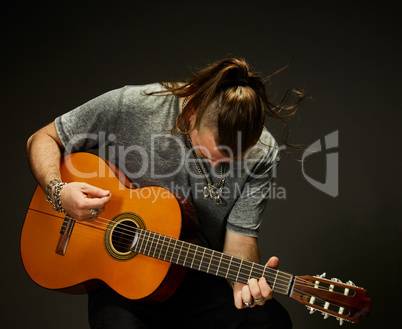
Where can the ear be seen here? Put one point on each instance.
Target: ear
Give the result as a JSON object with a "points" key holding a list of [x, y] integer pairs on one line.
{"points": [[191, 114]]}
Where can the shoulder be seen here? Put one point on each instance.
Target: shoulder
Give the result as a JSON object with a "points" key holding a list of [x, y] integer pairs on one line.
{"points": [[264, 157], [141, 91], [266, 149], [148, 95]]}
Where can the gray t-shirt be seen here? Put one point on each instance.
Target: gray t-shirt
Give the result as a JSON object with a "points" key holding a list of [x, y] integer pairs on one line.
{"points": [[133, 128]]}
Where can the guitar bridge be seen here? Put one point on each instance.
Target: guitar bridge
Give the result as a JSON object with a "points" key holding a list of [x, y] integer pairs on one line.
{"points": [[65, 234]]}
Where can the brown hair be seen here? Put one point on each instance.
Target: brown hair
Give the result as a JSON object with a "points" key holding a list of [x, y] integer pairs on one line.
{"points": [[228, 97]]}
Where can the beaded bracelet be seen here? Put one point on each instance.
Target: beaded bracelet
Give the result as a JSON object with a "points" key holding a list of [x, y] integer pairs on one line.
{"points": [[48, 191], [57, 203]]}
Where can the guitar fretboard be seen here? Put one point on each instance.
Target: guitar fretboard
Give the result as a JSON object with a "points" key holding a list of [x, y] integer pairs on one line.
{"points": [[199, 258]]}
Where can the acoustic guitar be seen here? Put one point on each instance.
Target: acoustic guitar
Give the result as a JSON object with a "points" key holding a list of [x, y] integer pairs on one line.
{"points": [[142, 244]]}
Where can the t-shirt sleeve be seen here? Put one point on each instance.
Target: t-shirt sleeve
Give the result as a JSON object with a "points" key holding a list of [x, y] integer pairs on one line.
{"points": [[246, 214], [91, 124]]}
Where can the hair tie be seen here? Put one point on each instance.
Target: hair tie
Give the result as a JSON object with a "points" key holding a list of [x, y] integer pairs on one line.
{"points": [[235, 83], [242, 82]]}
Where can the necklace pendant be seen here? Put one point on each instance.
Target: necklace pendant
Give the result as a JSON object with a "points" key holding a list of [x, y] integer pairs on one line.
{"points": [[207, 192], [212, 191], [217, 199]]}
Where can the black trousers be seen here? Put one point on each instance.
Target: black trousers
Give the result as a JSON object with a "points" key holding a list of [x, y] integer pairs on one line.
{"points": [[202, 301]]}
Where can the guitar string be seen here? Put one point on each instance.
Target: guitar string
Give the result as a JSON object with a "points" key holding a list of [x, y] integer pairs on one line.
{"points": [[284, 288], [276, 272], [247, 266], [241, 275], [214, 256], [215, 266], [308, 283], [317, 299], [104, 220], [222, 260], [278, 285], [159, 244], [246, 277]]}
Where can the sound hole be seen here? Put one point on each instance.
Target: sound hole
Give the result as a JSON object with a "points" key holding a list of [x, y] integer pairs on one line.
{"points": [[121, 235], [124, 236]]}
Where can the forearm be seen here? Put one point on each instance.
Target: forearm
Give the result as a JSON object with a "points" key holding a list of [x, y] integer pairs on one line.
{"points": [[241, 246], [257, 290], [44, 155]]}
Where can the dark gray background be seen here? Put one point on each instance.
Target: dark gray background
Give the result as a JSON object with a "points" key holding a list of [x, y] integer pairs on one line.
{"points": [[346, 55]]}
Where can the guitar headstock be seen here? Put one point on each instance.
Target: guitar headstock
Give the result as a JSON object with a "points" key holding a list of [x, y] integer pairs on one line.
{"points": [[345, 301]]}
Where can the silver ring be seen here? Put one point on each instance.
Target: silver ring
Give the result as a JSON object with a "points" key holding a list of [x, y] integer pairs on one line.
{"points": [[94, 212], [249, 304], [259, 300]]}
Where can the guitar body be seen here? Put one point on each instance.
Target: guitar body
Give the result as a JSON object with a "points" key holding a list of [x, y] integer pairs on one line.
{"points": [[95, 251]]}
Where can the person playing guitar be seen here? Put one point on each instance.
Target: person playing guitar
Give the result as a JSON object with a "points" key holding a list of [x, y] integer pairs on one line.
{"points": [[203, 139]]}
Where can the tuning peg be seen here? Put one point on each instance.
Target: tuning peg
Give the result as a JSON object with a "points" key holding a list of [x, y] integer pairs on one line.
{"points": [[340, 321], [350, 283], [326, 315], [321, 276], [312, 310], [336, 280]]}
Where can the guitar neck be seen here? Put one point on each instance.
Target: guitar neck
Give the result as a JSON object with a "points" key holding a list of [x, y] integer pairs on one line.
{"points": [[209, 261]]}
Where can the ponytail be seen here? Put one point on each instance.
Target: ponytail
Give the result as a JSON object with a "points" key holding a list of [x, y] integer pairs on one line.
{"points": [[228, 98]]}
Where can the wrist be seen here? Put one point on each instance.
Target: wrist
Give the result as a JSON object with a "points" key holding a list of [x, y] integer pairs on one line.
{"points": [[56, 194], [52, 192], [49, 190]]}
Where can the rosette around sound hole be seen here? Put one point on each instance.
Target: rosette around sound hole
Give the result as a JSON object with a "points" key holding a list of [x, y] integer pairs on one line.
{"points": [[121, 235]]}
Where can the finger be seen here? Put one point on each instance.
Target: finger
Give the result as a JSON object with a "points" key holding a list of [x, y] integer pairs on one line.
{"points": [[266, 290], [97, 203], [238, 299], [273, 262], [246, 295], [94, 191], [254, 289]]}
